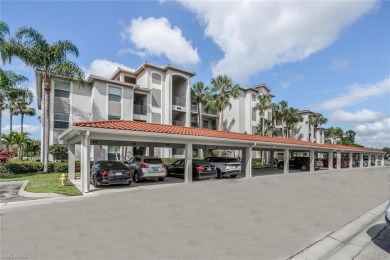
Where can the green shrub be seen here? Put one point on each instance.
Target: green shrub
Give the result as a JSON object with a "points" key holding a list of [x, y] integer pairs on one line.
{"points": [[61, 167], [24, 167], [169, 161], [256, 162]]}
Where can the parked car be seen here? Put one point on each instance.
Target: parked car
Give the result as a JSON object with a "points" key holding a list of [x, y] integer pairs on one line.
{"points": [[226, 166], [387, 215], [343, 163], [302, 163], [110, 172], [200, 169], [147, 167]]}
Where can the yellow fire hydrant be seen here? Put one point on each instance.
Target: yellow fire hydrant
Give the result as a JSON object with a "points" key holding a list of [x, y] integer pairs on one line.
{"points": [[63, 179]]}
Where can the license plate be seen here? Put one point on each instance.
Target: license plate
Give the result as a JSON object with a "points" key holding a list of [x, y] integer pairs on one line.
{"points": [[155, 168], [118, 174]]}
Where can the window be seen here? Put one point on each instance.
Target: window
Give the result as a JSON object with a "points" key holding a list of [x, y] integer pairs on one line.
{"points": [[253, 97], [156, 78], [113, 153], [254, 130], [61, 121], [254, 111], [61, 89], [114, 94], [110, 117]]}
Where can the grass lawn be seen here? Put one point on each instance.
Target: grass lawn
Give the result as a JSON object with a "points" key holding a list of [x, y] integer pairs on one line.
{"points": [[43, 183]]}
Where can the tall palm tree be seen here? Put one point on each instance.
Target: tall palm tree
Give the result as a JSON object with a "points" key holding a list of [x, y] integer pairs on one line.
{"points": [[23, 102], [222, 89], [8, 81], [4, 30], [349, 137], [263, 104], [275, 116], [51, 58], [283, 107], [315, 121], [7, 140], [199, 93], [334, 133], [21, 140], [292, 118], [12, 96]]}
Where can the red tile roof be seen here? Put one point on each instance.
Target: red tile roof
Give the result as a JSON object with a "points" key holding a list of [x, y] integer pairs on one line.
{"points": [[182, 130]]}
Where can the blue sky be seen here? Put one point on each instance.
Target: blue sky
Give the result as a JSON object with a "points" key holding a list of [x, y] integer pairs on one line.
{"points": [[331, 57]]}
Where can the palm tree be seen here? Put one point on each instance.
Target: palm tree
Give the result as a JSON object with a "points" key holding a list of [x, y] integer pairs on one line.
{"points": [[34, 50], [292, 118], [263, 105], [32, 148], [349, 137], [275, 115], [4, 30], [283, 107], [21, 140], [315, 121], [222, 89], [199, 93], [12, 96], [8, 82], [7, 140], [334, 133], [23, 102]]}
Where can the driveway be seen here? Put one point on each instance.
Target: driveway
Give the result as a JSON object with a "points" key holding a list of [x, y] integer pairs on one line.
{"points": [[268, 217]]}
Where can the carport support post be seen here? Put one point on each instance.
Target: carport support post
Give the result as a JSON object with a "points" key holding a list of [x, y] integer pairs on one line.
{"points": [[361, 157], [330, 160], [350, 160], [376, 160], [383, 160], [85, 151], [151, 150], [188, 163], [286, 157], [311, 160], [272, 158], [71, 163], [248, 162], [369, 160], [338, 160]]}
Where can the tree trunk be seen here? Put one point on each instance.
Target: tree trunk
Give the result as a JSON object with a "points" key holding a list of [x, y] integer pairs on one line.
{"points": [[199, 115], [283, 127], [46, 140], [221, 121], [262, 124], [1, 114], [21, 122]]}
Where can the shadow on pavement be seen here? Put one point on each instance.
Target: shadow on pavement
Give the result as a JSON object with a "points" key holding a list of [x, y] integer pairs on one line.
{"points": [[382, 240]]}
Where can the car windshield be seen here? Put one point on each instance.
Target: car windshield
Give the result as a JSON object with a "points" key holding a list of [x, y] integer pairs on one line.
{"points": [[112, 165], [200, 162], [231, 160], [153, 160]]}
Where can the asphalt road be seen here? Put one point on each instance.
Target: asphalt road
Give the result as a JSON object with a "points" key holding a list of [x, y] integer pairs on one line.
{"points": [[379, 248], [267, 217]]}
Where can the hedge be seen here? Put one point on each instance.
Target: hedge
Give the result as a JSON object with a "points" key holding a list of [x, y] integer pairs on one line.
{"points": [[33, 167]]}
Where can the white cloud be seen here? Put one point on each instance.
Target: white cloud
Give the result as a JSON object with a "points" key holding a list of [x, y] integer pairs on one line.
{"points": [[26, 128], [339, 64], [103, 68], [357, 94], [375, 134], [156, 37], [290, 80], [363, 115], [257, 35]]}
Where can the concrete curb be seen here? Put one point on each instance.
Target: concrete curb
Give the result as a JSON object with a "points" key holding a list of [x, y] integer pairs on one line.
{"points": [[23, 193], [348, 241]]}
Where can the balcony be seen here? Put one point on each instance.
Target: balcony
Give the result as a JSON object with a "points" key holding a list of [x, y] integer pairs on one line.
{"points": [[208, 111], [178, 101], [194, 108], [178, 122], [140, 109]]}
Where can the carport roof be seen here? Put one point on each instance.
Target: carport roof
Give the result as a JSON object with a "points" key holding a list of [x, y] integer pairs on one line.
{"points": [[202, 132]]}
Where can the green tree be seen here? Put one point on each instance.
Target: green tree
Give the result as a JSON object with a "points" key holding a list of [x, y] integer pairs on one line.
{"points": [[315, 121], [23, 109], [16, 140], [8, 82], [12, 97], [49, 58], [199, 93], [57, 151], [32, 148], [263, 104], [349, 137], [282, 112], [334, 133], [292, 118], [222, 89]]}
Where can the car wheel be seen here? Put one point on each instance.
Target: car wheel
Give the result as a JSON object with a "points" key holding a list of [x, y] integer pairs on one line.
{"points": [[304, 168], [161, 179], [233, 176], [95, 182], [219, 174], [136, 177]]}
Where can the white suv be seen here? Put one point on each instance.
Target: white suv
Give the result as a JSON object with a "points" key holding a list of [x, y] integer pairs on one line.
{"points": [[387, 215], [147, 167], [226, 166]]}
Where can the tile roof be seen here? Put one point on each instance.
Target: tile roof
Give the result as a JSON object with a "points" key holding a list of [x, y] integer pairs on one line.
{"points": [[191, 131]]}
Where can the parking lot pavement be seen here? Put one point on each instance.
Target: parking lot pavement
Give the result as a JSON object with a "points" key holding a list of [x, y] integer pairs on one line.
{"points": [[9, 192], [272, 217], [379, 248]]}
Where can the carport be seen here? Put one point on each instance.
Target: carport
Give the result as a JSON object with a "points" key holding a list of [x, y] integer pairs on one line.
{"points": [[131, 133]]}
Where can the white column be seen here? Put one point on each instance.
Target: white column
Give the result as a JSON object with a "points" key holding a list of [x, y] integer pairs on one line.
{"points": [[188, 106], [286, 157], [383, 160], [350, 160], [207, 152], [369, 160], [330, 160], [85, 160], [151, 151], [361, 157], [338, 160], [71, 162], [248, 162], [311, 160], [188, 163], [376, 160]]}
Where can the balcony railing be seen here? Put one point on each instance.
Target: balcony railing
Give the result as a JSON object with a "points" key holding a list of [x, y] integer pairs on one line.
{"points": [[194, 108], [208, 111], [140, 109], [178, 101], [178, 122]]}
